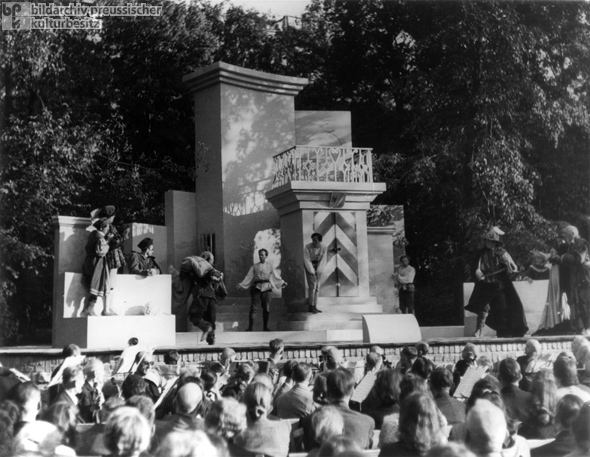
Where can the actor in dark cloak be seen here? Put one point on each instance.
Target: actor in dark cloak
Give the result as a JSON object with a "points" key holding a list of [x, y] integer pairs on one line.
{"points": [[494, 298]]}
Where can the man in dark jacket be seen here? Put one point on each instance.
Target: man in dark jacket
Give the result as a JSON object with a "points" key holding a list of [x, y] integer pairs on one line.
{"points": [[517, 401], [441, 382]]}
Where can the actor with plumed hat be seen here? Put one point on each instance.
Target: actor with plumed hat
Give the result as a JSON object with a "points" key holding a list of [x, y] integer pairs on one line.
{"points": [[144, 263], [103, 258], [494, 298]]}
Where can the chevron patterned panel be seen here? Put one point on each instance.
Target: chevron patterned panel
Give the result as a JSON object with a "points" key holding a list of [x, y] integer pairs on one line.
{"points": [[340, 277]]}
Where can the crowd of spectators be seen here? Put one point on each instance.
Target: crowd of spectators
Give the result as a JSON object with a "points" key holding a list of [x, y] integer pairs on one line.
{"points": [[278, 407]]}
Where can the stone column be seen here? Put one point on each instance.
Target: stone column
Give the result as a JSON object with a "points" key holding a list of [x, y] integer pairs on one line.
{"points": [[297, 203], [242, 118]]}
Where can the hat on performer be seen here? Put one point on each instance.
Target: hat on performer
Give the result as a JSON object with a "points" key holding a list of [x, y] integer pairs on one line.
{"points": [[493, 234], [145, 243]]}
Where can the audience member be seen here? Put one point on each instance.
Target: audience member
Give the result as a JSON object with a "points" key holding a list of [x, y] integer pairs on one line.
{"points": [[262, 435], [441, 383], [407, 357], [133, 385], [264, 378], [64, 417], [486, 429], [91, 441], [326, 423], [145, 406], [270, 366], [383, 400], [532, 351], [288, 382], [91, 396], [227, 418], [189, 443], [450, 450], [320, 389], [237, 383], [357, 426], [71, 350], [7, 381], [211, 387], [6, 434], [339, 446], [27, 397], [185, 417], [539, 422], [144, 362], [420, 428], [373, 362], [332, 358], [581, 431], [468, 358], [297, 402], [127, 433], [72, 383], [40, 438], [516, 400], [422, 367], [566, 377], [566, 411]]}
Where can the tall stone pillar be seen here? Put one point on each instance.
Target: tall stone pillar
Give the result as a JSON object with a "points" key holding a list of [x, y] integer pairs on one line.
{"points": [[242, 118], [305, 207]]}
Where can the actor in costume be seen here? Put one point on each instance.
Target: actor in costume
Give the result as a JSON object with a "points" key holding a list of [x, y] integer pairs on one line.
{"points": [[575, 269], [261, 279], [203, 310], [314, 260], [191, 278], [404, 281], [494, 298], [539, 268], [144, 263]]}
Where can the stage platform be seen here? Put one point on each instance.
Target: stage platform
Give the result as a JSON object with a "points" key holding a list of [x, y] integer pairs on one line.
{"points": [[444, 350]]}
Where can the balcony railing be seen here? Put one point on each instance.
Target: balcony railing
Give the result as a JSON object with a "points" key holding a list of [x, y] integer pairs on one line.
{"points": [[321, 163]]}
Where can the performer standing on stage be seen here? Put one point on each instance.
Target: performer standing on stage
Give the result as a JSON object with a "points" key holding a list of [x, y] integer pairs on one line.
{"points": [[261, 279], [575, 267], [494, 298], [404, 281], [144, 263], [314, 259]]}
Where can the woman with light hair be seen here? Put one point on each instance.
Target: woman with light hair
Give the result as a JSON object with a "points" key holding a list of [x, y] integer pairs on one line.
{"points": [[263, 436], [227, 418], [326, 423], [127, 432], [187, 443]]}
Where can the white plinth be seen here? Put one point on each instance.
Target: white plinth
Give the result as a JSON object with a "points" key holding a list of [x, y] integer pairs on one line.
{"points": [[113, 332]]}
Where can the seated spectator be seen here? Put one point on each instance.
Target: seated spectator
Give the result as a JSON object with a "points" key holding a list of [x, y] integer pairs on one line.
{"points": [[270, 366], [566, 378], [326, 423], [227, 418], [486, 429], [40, 438], [144, 362], [6, 433], [566, 411], [516, 400], [127, 433], [357, 426], [450, 450], [339, 446], [297, 402], [484, 361], [539, 422], [407, 357], [91, 441], [320, 389], [145, 406], [185, 417], [410, 383], [71, 386], [468, 358], [532, 351], [27, 397], [287, 384], [441, 383], [332, 358], [7, 381], [71, 350], [581, 431], [373, 363], [383, 400], [264, 378], [189, 443], [64, 417], [237, 383], [422, 367], [133, 385], [262, 435], [91, 396], [420, 428], [144, 263], [211, 388]]}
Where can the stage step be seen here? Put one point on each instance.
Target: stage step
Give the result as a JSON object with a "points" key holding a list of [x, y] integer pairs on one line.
{"points": [[338, 309], [236, 338], [321, 325], [327, 316]]}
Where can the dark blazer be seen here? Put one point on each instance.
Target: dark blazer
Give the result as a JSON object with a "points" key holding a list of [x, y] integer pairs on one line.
{"points": [[517, 402], [452, 409], [358, 427], [563, 444]]}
